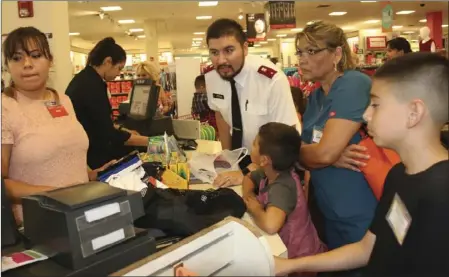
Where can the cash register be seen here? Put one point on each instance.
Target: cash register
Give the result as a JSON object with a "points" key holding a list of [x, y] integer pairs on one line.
{"points": [[85, 230], [140, 112]]}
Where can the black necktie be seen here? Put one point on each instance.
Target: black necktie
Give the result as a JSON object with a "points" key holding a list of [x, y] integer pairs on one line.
{"points": [[237, 126]]}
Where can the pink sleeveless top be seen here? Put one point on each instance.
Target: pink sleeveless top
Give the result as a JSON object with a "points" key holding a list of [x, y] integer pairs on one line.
{"points": [[298, 233]]}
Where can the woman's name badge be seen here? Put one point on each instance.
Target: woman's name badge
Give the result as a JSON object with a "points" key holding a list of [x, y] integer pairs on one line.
{"points": [[316, 135], [56, 110], [399, 219]]}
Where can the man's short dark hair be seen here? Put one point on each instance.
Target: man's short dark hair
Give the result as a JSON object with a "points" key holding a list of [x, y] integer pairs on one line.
{"points": [[400, 44], [200, 80], [281, 143], [420, 75], [226, 27]]}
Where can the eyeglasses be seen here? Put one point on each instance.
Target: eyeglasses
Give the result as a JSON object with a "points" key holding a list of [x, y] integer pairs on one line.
{"points": [[310, 52]]}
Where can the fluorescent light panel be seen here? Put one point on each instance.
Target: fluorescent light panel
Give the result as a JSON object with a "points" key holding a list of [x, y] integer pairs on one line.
{"points": [[207, 3], [444, 26], [126, 21], [405, 12], [200, 39], [136, 30], [423, 20], [337, 13], [271, 39], [111, 8], [199, 33], [141, 36], [397, 27], [74, 34], [204, 17], [296, 30], [372, 21], [263, 42], [281, 35]]}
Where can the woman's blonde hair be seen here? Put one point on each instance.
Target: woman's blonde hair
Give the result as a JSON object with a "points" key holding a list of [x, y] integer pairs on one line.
{"points": [[150, 69], [332, 36]]}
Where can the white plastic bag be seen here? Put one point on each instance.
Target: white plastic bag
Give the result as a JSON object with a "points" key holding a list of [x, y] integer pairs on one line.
{"points": [[206, 167]]}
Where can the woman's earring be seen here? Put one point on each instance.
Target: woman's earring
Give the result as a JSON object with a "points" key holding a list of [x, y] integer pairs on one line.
{"points": [[335, 66]]}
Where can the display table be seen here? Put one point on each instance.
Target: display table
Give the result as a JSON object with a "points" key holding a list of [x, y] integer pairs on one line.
{"points": [[277, 246]]}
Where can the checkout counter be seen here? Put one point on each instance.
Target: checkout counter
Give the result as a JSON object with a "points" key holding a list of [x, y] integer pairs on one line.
{"points": [[87, 230]]}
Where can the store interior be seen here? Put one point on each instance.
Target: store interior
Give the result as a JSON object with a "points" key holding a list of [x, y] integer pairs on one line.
{"points": [[172, 33]]}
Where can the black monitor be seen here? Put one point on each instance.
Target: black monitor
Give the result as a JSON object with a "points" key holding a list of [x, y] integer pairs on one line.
{"points": [[144, 98]]}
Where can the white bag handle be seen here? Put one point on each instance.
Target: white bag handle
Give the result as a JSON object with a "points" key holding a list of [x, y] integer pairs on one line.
{"points": [[243, 150]]}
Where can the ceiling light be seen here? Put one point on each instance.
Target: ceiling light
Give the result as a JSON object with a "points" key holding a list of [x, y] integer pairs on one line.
{"points": [[199, 33], [204, 17], [263, 42], [281, 35], [240, 16], [397, 27], [136, 30], [141, 36], [296, 30], [405, 12], [111, 8], [444, 26], [256, 45], [197, 39], [423, 20], [126, 21], [372, 21], [310, 22], [74, 34], [271, 39], [337, 13], [345, 28], [207, 3], [409, 32]]}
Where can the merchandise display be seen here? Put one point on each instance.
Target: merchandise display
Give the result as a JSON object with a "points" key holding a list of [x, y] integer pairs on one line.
{"points": [[120, 91]]}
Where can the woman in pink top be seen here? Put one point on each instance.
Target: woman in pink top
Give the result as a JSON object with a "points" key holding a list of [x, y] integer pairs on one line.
{"points": [[43, 145]]}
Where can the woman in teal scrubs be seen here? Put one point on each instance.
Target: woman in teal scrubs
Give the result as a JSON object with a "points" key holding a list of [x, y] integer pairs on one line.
{"points": [[331, 122]]}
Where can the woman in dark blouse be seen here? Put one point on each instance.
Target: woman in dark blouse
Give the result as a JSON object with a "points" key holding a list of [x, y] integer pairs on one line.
{"points": [[89, 95]]}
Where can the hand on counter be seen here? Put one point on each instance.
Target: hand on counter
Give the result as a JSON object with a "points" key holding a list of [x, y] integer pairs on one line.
{"points": [[94, 173], [352, 157], [227, 179]]}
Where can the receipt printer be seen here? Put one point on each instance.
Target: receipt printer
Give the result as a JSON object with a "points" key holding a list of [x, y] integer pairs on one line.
{"points": [[77, 223]]}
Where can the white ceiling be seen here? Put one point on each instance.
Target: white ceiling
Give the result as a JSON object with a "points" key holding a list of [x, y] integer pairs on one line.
{"points": [[176, 21]]}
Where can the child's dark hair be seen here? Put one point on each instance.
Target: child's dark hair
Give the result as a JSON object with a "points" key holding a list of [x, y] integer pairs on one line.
{"points": [[200, 80], [106, 48], [419, 75], [400, 44], [281, 143], [20, 38], [226, 27]]}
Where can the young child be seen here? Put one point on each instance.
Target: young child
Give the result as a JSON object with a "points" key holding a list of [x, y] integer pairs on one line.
{"points": [[280, 206], [409, 232], [200, 108]]}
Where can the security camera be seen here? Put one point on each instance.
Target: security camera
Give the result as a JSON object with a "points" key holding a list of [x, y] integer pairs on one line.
{"points": [[422, 5]]}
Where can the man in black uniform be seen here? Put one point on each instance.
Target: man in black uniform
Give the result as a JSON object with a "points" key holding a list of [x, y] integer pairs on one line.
{"points": [[409, 235]]}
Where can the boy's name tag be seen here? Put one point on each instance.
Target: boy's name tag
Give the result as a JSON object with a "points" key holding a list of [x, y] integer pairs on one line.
{"points": [[399, 218], [316, 135]]}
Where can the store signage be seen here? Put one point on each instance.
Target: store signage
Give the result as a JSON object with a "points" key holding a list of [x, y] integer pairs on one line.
{"points": [[377, 42], [25, 9], [256, 27], [387, 18], [280, 14]]}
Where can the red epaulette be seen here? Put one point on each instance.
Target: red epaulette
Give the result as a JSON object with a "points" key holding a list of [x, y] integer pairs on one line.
{"points": [[208, 69], [267, 71]]}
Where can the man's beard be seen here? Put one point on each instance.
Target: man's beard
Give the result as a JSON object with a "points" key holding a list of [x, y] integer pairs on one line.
{"points": [[228, 78]]}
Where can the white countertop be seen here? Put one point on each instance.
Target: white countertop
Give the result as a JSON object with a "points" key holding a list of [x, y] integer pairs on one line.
{"points": [[277, 246]]}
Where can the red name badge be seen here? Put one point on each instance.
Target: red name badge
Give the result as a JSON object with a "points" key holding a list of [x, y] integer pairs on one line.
{"points": [[57, 110]]}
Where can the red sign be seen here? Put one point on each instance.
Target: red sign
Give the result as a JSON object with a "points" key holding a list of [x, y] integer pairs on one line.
{"points": [[25, 9], [377, 42]]}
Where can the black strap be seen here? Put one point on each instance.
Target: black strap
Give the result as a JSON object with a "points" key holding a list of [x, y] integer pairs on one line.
{"points": [[237, 126]]}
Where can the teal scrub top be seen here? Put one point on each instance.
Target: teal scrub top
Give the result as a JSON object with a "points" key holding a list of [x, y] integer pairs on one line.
{"points": [[343, 195]]}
